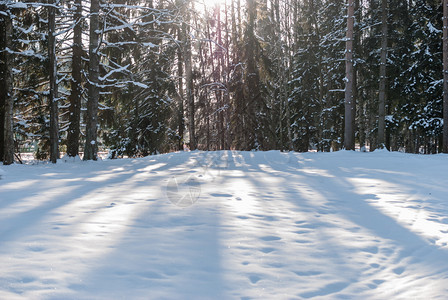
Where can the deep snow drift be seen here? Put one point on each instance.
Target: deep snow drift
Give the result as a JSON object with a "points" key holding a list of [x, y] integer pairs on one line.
{"points": [[227, 225]]}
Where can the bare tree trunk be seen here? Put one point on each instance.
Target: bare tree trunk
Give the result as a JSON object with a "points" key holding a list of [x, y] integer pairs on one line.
{"points": [[445, 76], [6, 89], [189, 80], [53, 95], [292, 48], [76, 88], [220, 72], [3, 75], [382, 89], [91, 147], [180, 100], [349, 137], [226, 71]]}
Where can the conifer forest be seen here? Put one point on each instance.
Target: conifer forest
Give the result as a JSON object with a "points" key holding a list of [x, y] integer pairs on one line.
{"points": [[140, 77]]}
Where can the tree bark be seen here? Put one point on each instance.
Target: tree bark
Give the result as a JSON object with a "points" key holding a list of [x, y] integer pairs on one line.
{"points": [[53, 95], [3, 88], [349, 136], [189, 80], [91, 147], [220, 72], [76, 88], [382, 88], [6, 94], [445, 76], [226, 71], [180, 100]]}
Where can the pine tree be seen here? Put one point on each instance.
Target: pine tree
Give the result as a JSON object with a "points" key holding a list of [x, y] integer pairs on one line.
{"points": [[349, 135], [425, 89], [189, 76], [6, 91], [91, 147], [236, 82], [445, 76], [382, 88], [53, 85], [76, 84], [307, 89], [139, 117]]}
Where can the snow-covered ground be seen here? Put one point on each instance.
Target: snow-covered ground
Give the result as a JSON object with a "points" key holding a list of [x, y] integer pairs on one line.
{"points": [[227, 225]]}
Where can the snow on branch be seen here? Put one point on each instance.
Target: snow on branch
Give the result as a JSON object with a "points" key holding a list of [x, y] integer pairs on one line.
{"points": [[119, 70]]}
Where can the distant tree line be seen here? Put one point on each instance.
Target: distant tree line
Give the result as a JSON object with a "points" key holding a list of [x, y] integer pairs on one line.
{"points": [[148, 76]]}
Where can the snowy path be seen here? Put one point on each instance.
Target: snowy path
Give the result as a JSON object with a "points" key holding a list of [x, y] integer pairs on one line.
{"points": [[263, 225]]}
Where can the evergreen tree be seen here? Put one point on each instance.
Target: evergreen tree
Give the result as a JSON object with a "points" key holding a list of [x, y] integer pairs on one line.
{"points": [[53, 82], [6, 89], [76, 83], [349, 133], [445, 76], [91, 146], [382, 88], [307, 90]]}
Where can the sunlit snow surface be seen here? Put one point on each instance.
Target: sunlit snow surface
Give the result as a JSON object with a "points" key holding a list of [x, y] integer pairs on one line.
{"points": [[227, 225]]}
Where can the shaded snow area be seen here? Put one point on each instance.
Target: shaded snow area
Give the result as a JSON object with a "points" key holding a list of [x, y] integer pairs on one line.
{"points": [[227, 225]]}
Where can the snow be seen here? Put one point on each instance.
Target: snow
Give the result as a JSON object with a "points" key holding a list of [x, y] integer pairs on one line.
{"points": [[149, 45], [139, 84], [432, 29], [227, 225], [70, 159], [118, 70], [18, 5]]}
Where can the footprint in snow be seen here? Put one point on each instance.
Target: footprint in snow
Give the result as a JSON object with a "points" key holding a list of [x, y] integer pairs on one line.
{"points": [[221, 195], [326, 290], [307, 273], [375, 284], [399, 270], [269, 238], [36, 248], [267, 250], [27, 279], [303, 242], [302, 231], [373, 250], [254, 278]]}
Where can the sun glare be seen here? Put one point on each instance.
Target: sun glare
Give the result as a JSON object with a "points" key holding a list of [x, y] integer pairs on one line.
{"points": [[212, 3]]}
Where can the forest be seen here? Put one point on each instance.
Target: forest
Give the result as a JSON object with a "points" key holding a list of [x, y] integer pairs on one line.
{"points": [[143, 77]]}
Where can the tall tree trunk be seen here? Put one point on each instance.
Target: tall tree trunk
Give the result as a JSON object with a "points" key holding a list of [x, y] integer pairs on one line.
{"points": [[445, 76], [53, 95], [6, 93], [220, 72], [76, 88], [356, 75], [226, 71], [3, 74], [180, 100], [349, 136], [252, 99], [91, 147], [382, 89], [237, 119], [292, 41], [189, 79]]}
